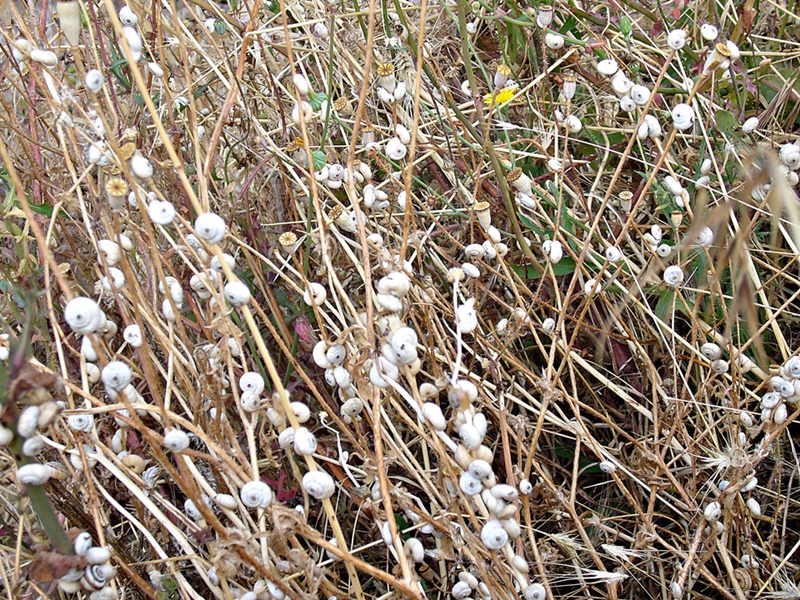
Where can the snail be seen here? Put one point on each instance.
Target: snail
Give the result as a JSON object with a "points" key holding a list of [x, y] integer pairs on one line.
{"points": [[116, 375], [470, 436], [315, 295], [713, 511], [237, 293], [493, 535], [682, 116], [606, 466], [305, 443], [395, 283], [607, 67], [535, 591], [709, 32], [83, 315], [613, 254], [318, 484], [789, 155], [627, 104], [395, 149], [46, 58], [133, 335], [256, 494], [387, 369], [336, 354], [673, 276], [553, 251], [93, 79], [251, 382], [83, 422], [97, 555], [113, 281], [141, 167], [127, 17], [621, 84], [225, 501], [461, 590], [161, 212], [506, 492], [554, 41], [176, 440], [704, 238], [640, 94], [34, 474], [28, 421], [210, 227], [720, 366], [469, 484], [750, 125], [711, 351], [433, 414]]}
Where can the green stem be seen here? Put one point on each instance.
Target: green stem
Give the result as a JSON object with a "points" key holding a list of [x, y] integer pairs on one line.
{"points": [[49, 520]]}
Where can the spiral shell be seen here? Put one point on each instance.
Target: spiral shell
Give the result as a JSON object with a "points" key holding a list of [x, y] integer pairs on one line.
{"points": [[210, 227], [95, 577], [606, 466], [176, 440], [226, 501], [673, 276], [713, 511], [93, 80], [433, 414], [754, 507], [682, 116], [28, 421], [83, 315], [237, 293], [305, 443], [553, 251], [250, 402], [133, 335], [461, 590], [627, 104], [318, 484], [251, 382], [83, 422], [621, 84], [493, 535], [554, 41], [613, 254], [315, 295], [34, 474], [81, 543], [396, 149], [46, 58], [709, 32], [116, 375], [161, 212], [790, 155], [640, 94], [506, 492], [256, 494], [469, 484], [470, 436], [676, 39], [607, 67]]}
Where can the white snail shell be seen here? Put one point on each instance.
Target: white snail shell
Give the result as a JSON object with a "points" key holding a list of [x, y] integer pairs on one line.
{"points": [[613, 254], [704, 238], [95, 577], [133, 335], [553, 251], [98, 555], [161, 212], [389, 302], [286, 438], [127, 17], [320, 355], [141, 166], [315, 295], [470, 436], [176, 440], [226, 501], [682, 116], [673, 185], [549, 325], [673, 275], [342, 378], [386, 369], [792, 367], [93, 80], [713, 511], [256, 494], [336, 354], [45, 58], [607, 67], [301, 411], [789, 155], [210, 227], [554, 41], [251, 382], [395, 283], [480, 469], [621, 84], [574, 124], [461, 590], [109, 251], [664, 250], [780, 414], [92, 373], [653, 126], [676, 39], [116, 375], [28, 421], [81, 543], [493, 535], [535, 591], [750, 125], [711, 351], [640, 94], [745, 363], [83, 422], [525, 487], [606, 466], [503, 491], [754, 507], [627, 104], [433, 414], [83, 315], [414, 548], [404, 345], [396, 149], [720, 366], [305, 443], [469, 484], [34, 474], [318, 484], [250, 402], [709, 32], [87, 349], [770, 400], [592, 286], [237, 293]]}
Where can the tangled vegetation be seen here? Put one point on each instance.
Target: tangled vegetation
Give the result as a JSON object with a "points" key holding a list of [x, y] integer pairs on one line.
{"points": [[399, 299]]}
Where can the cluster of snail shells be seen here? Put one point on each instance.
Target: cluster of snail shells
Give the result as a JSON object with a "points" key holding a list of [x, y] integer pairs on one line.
{"points": [[85, 317], [785, 389], [331, 357], [96, 576]]}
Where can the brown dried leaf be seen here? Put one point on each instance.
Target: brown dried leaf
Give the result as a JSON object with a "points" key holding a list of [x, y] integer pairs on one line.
{"points": [[49, 566]]}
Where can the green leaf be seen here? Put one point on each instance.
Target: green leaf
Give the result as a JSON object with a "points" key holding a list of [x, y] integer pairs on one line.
{"points": [[726, 121], [564, 267], [626, 27], [319, 159]]}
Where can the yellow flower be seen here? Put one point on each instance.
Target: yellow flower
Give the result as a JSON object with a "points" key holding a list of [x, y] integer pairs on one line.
{"points": [[501, 97]]}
